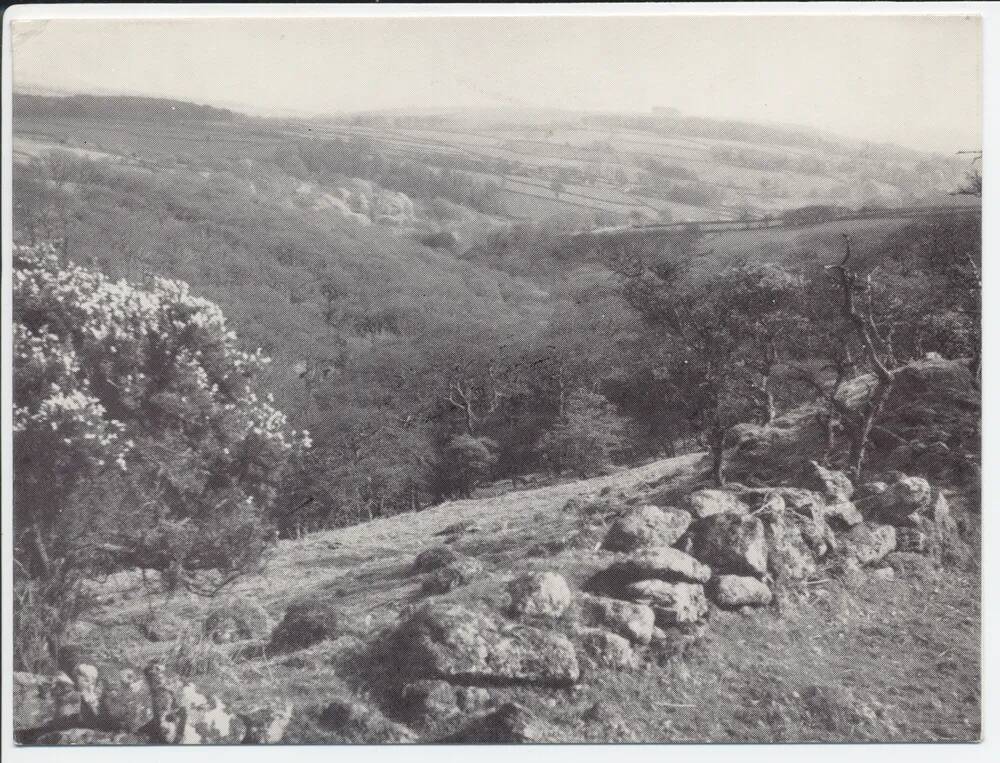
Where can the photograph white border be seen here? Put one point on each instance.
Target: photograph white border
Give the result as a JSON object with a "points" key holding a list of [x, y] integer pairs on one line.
{"points": [[746, 753]]}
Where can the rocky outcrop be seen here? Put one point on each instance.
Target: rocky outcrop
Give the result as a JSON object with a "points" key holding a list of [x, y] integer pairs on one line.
{"points": [[647, 526], [452, 642], [120, 707]]}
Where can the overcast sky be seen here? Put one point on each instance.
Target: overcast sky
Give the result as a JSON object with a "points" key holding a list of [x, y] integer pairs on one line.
{"points": [[909, 80]]}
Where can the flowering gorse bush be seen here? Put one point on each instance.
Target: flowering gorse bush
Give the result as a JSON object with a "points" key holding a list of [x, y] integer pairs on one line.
{"points": [[140, 438]]}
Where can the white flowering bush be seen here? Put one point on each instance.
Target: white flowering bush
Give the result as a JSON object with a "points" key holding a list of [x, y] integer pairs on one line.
{"points": [[140, 439]]}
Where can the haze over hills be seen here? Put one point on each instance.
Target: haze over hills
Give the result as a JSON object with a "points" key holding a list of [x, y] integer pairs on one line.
{"points": [[657, 167]]}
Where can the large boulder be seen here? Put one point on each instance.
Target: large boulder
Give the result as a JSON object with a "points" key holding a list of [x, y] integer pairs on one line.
{"points": [[540, 594], [39, 701], [303, 625], [449, 641], [672, 603], [731, 544], [661, 563], [868, 544], [705, 503], [735, 591], [601, 649], [647, 526], [632, 621]]}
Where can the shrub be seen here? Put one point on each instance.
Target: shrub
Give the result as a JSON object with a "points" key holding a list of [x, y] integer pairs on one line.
{"points": [[139, 438]]}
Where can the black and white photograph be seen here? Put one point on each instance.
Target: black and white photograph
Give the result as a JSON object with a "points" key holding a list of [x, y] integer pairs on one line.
{"points": [[521, 375]]}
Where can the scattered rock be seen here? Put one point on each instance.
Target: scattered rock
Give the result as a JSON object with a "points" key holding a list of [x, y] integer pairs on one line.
{"points": [[633, 621], [508, 724], [458, 573], [662, 563], [303, 625], [237, 620], [735, 591], [41, 701], [356, 723], [606, 650], [708, 502], [434, 558], [540, 594], [672, 603], [646, 526], [443, 640], [731, 544], [868, 544], [835, 486]]}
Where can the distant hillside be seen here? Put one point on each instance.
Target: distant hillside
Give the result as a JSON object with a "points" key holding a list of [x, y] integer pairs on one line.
{"points": [[124, 107]]}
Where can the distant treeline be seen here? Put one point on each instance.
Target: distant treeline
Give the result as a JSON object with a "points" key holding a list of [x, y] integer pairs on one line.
{"points": [[124, 107]]}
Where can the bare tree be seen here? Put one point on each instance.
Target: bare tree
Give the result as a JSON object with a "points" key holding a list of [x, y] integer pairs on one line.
{"points": [[876, 348]]}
